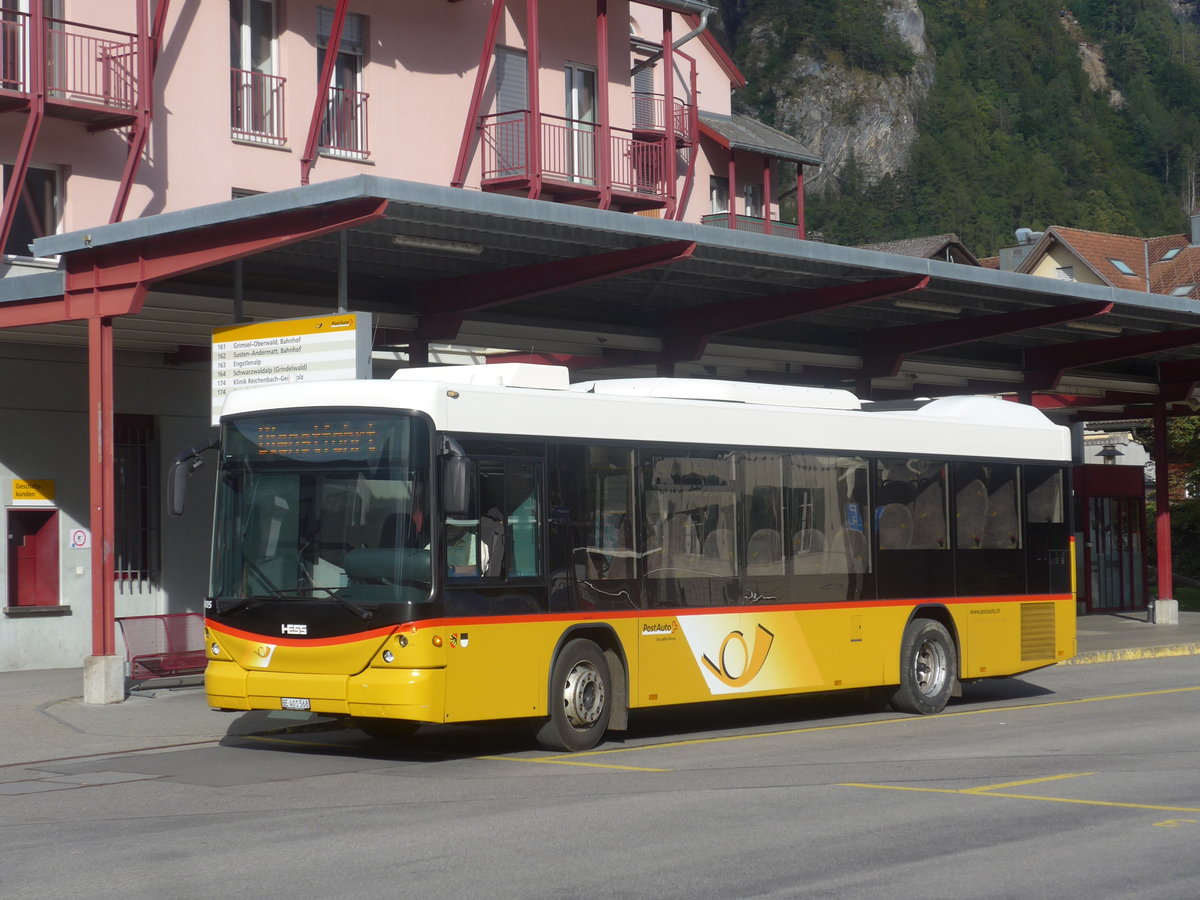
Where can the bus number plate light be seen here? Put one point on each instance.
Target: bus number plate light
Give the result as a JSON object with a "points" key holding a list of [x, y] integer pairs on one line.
{"points": [[297, 703]]}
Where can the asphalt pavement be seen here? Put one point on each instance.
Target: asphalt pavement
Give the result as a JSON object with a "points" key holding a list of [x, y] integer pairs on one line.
{"points": [[43, 716]]}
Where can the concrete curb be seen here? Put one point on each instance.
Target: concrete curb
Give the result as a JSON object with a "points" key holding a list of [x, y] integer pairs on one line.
{"points": [[1104, 656]]}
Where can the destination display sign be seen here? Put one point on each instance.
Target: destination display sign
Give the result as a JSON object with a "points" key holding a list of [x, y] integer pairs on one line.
{"points": [[289, 351]]}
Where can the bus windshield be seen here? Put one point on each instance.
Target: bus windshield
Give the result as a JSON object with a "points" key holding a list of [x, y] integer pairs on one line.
{"points": [[323, 505]]}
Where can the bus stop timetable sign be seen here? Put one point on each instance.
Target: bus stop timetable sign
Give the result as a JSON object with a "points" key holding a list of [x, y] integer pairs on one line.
{"points": [[289, 351]]}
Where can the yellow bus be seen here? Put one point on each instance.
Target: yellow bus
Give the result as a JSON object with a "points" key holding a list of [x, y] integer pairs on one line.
{"points": [[469, 543]]}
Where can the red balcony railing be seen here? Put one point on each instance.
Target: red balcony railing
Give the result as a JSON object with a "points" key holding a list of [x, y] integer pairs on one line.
{"points": [[90, 64], [752, 224], [648, 115], [568, 153], [85, 64], [256, 107], [505, 142], [344, 127], [637, 165]]}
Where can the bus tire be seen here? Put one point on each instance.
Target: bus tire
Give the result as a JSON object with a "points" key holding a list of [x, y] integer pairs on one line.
{"points": [[928, 668], [580, 699], [386, 729]]}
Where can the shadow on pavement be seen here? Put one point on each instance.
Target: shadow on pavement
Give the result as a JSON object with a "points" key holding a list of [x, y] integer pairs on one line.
{"points": [[306, 734]]}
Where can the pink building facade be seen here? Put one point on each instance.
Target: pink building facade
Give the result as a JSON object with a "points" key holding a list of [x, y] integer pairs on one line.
{"points": [[578, 102]]}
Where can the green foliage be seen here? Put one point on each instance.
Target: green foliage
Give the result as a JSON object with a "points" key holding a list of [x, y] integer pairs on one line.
{"points": [[1183, 449], [1013, 134]]}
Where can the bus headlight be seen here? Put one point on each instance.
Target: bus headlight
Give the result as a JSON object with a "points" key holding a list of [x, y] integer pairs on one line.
{"points": [[215, 649], [388, 656]]}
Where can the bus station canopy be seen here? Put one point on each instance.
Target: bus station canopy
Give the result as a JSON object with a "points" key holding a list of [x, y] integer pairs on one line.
{"points": [[608, 294]]}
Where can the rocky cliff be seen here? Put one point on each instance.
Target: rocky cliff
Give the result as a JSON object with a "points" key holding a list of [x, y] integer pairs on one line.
{"points": [[838, 110]]}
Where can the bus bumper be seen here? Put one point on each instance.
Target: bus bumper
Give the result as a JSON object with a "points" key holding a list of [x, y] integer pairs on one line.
{"points": [[413, 694]]}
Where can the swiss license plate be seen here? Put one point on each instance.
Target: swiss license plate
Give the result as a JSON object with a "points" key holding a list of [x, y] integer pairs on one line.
{"points": [[295, 703]]}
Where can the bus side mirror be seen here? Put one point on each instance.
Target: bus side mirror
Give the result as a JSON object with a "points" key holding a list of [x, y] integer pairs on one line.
{"points": [[454, 485], [182, 467]]}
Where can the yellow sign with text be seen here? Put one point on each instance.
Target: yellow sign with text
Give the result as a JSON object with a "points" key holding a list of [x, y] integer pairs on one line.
{"points": [[38, 490]]}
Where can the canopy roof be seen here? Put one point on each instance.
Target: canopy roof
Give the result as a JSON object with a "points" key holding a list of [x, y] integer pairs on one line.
{"points": [[619, 294]]}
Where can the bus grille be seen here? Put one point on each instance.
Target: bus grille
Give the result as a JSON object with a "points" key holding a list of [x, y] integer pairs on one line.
{"points": [[1037, 631]]}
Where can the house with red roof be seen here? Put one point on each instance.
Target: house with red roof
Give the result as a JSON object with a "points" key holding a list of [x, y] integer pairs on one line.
{"points": [[1169, 264]]}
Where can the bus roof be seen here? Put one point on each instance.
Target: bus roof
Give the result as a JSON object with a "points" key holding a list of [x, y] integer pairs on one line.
{"points": [[539, 401]]}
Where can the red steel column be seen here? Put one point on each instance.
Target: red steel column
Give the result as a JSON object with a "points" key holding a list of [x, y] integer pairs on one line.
{"points": [[732, 179], [1162, 490], [668, 114], [489, 47], [766, 189], [309, 159], [533, 65], [37, 110], [800, 230], [100, 479], [603, 136]]}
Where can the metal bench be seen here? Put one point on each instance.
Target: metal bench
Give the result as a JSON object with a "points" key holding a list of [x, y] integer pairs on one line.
{"points": [[163, 646]]}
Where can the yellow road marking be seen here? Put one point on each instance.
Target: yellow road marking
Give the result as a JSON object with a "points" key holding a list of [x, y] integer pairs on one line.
{"points": [[904, 720], [1012, 784], [564, 761], [976, 793]]}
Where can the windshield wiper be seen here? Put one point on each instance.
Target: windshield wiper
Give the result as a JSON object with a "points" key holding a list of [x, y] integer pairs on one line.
{"points": [[300, 594], [234, 604], [295, 594]]}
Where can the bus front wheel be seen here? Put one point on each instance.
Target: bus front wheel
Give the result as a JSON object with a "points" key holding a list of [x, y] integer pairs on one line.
{"points": [[928, 668], [580, 701]]}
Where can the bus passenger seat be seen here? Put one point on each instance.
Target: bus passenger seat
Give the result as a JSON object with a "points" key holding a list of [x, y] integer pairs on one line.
{"points": [[764, 553], [895, 527]]}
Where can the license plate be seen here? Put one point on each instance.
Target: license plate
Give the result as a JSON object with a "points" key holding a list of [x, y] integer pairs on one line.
{"points": [[295, 703]]}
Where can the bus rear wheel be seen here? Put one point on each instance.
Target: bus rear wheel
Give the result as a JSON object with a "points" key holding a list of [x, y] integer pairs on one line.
{"points": [[580, 701], [928, 668]]}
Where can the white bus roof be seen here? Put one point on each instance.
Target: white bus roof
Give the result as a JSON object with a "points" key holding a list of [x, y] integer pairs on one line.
{"points": [[539, 401]]}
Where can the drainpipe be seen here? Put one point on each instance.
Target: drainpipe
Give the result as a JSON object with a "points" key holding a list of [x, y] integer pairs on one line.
{"points": [[699, 29]]}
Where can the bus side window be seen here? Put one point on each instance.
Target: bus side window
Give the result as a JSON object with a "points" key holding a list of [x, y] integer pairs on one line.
{"points": [[500, 535]]}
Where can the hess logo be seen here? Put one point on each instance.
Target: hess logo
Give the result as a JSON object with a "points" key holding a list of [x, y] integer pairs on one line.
{"points": [[294, 629], [736, 663]]}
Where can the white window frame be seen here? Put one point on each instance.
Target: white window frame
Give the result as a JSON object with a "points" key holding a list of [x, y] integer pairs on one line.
{"points": [[752, 200], [581, 121], [352, 62], [718, 194], [242, 60]]}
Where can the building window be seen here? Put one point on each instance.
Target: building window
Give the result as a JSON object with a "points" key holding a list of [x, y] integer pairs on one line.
{"points": [[753, 200], [1170, 254], [344, 128], [1121, 266], [718, 194], [256, 91], [38, 207], [135, 477], [581, 123], [643, 98], [1183, 290], [1065, 273]]}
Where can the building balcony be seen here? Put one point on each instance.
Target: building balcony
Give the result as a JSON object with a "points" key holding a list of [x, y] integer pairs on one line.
{"points": [[344, 126], [90, 73], [567, 160], [648, 118], [754, 224], [256, 107]]}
